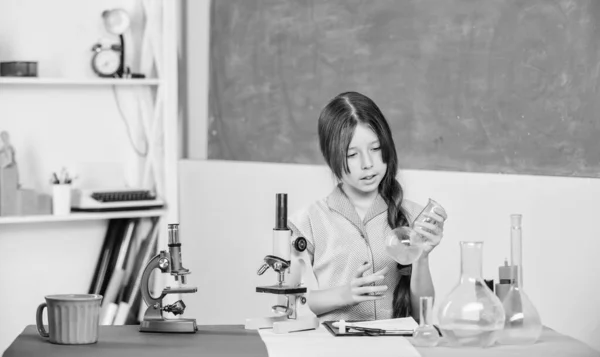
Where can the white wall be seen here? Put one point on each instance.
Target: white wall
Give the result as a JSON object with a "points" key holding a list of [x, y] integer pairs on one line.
{"points": [[195, 76], [54, 126], [227, 215]]}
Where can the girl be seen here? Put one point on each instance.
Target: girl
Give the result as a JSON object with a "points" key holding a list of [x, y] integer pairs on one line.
{"points": [[346, 230]]}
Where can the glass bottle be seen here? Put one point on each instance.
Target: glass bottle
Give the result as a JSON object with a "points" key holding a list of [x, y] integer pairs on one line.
{"points": [[471, 315], [404, 244], [523, 324], [426, 334]]}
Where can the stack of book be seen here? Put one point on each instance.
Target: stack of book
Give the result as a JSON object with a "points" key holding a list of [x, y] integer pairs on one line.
{"points": [[128, 245]]}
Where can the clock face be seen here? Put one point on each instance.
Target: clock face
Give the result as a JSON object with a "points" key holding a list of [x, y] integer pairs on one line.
{"points": [[106, 62]]}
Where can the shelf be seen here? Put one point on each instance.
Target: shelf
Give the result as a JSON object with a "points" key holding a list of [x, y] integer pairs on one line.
{"points": [[81, 216], [81, 81]]}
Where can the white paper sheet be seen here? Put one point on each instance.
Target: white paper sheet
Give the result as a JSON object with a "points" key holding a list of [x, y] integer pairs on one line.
{"points": [[320, 342]]}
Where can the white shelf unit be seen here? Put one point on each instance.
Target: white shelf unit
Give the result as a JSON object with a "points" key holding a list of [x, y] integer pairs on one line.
{"points": [[80, 81], [82, 216], [160, 115]]}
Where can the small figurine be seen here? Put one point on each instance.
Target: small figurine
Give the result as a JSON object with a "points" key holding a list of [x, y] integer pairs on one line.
{"points": [[7, 151], [8, 159], [9, 178]]}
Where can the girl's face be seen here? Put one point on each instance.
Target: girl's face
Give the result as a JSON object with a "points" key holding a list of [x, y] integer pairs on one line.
{"points": [[365, 163]]}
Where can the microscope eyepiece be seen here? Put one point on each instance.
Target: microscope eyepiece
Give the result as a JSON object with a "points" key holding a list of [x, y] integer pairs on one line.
{"points": [[281, 212], [173, 233]]}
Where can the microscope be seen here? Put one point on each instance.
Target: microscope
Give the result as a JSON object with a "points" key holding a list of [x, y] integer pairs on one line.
{"points": [[291, 257], [170, 263]]}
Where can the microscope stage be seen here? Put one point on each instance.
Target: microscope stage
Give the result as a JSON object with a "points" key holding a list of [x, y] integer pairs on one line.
{"points": [[282, 290]]}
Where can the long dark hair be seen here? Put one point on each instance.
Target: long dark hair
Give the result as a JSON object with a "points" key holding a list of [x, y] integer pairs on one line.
{"points": [[337, 123]]}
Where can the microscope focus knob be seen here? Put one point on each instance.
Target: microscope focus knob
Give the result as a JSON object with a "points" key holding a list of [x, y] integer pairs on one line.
{"points": [[300, 244], [163, 263]]}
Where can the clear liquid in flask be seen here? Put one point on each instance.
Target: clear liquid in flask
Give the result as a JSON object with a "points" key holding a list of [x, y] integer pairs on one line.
{"points": [[469, 335], [401, 244]]}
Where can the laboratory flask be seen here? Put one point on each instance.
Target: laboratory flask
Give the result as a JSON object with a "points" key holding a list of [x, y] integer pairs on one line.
{"points": [[471, 315], [426, 335], [404, 244], [523, 325]]}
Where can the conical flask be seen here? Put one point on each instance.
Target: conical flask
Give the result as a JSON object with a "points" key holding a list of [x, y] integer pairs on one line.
{"points": [[523, 325], [471, 315]]}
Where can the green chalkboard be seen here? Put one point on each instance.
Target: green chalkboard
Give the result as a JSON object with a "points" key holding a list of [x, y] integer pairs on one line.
{"points": [[500, 86]]}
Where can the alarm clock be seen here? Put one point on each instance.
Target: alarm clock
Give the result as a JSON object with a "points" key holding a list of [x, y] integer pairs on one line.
{"points": [[107, 61]]}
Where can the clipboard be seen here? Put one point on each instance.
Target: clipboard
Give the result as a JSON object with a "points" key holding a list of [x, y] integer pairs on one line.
{"points": [[363, 331]]}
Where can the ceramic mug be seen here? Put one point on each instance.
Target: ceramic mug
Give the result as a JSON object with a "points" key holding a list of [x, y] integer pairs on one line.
{"points": [[73, 319]]}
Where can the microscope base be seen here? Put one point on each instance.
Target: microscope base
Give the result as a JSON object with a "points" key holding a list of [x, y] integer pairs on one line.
{"points": [[257, 323], [282, 324], [169, 326], [291, 325]]}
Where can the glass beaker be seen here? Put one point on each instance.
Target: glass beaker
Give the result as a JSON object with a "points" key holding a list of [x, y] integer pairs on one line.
{"points": [[471, 315], [523, 325], [404, 244], [426, 334]]}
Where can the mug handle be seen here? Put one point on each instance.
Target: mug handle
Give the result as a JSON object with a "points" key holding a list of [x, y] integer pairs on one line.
{"points": [[39, 322]]}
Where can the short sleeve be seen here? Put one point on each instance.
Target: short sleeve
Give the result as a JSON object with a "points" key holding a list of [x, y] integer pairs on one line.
{"points": [[299, 224]]}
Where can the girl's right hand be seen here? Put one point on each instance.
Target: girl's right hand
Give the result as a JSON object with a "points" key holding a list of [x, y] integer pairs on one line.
{"points": [[360, 288]]}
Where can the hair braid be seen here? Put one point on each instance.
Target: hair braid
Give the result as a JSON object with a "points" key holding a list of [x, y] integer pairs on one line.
{"points": [[392, 194]]}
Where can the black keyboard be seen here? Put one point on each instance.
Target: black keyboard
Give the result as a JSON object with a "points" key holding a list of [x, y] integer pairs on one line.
{"points": [[124, 196]]}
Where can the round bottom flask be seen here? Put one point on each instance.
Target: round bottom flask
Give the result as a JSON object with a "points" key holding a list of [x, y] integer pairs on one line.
{"points": [[425, 335], [402, 245], [523, 325], [471, 315]]}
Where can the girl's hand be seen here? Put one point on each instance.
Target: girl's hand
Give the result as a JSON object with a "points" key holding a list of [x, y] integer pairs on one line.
{"points": [[432, 229], [361, 289]]}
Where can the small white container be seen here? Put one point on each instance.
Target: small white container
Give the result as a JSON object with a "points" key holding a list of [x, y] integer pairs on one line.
{"points": [[61, 199]]}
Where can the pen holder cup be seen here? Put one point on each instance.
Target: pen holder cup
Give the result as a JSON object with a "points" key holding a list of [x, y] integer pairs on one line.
{"points": [[61, 199]]}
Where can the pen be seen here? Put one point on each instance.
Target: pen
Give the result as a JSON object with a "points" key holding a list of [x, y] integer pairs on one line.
{"points": [[64, 177], [369, 331]]}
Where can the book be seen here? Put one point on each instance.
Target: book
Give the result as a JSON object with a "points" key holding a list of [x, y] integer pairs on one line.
{"points": [[116, 280], [119, 236], [132, 289], [103, 259]]}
